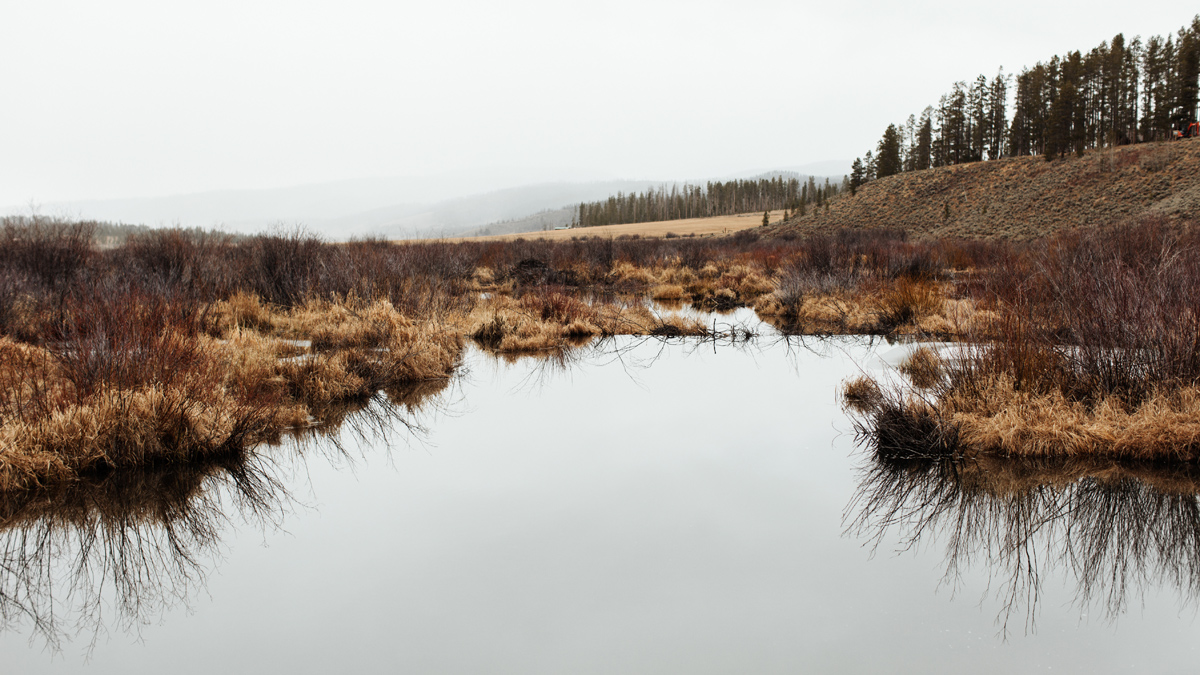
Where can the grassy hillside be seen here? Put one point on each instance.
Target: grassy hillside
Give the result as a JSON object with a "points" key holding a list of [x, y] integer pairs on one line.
{"points": [[1023, 197], [717, 225]]}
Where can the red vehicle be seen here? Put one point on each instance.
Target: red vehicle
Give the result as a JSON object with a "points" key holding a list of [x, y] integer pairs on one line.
{"points": [[1191, 131]]}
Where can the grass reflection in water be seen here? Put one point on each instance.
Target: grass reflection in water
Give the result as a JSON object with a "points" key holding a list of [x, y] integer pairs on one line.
{"points": [[1118, 530], [114, 552]]}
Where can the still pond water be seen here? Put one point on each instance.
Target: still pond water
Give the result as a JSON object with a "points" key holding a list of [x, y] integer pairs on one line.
{"points": [[643, 507]]}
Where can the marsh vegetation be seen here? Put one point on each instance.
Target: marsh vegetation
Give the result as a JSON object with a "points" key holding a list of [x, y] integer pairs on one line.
{"points": [[1094, 352], [187, 346]]}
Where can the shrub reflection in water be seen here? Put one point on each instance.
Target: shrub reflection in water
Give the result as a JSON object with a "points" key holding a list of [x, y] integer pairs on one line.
{"points": [[1118, 530], [113, 553]]}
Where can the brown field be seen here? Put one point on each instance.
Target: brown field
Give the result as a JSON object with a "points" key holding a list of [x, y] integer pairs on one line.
{"points": [[688, 227]]}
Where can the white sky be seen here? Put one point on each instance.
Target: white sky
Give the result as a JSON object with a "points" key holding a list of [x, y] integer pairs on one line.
{"points": [[124, 98]]}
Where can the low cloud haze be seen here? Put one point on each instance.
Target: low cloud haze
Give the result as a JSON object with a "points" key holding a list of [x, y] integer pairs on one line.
{"points": [[125, 99]]}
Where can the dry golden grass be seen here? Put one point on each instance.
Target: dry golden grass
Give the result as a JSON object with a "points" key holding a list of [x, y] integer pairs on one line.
{"points": [[553, 321], [998, 419], [923, 367], [1001, 419], [819, 314], [243, 389], [861, 393], [623, 271], [901, 307], [71, 432], [241, 310], [718, 225], [667, 292]]}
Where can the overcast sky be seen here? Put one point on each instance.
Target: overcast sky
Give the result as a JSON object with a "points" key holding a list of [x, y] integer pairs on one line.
{"points": [[124, 98]]}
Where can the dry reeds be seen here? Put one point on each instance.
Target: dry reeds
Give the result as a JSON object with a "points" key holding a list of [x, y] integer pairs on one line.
{"points": [[923, 368], [217, 343], [1093, 351]]}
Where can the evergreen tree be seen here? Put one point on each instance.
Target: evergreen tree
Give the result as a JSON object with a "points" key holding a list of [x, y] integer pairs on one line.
{"points": [[997, 115], [857, 174], [924, 141], [1121, 91], [978, 122], [1188, 69], [909, 146], [887, 162]]}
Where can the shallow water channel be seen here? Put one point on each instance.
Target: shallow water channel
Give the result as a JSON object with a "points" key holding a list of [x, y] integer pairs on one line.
{"points": [[642, 506]]}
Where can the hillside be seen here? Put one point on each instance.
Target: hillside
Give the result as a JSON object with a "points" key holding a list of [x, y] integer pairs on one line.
{"points": [[686, 227], [1022, 197]]}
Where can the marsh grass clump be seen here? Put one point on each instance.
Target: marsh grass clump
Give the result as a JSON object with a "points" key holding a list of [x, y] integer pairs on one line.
{"points": [[667, 292], [180, 347], [1094, 353], [923, 368], [675, 325], [904, 302], [861, 394], [548, 320]]}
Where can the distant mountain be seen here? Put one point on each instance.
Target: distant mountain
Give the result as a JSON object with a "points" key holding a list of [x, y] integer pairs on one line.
{"points": [[542, 220], [452, 204], [360, 206], [494, 209], [832, 169]]}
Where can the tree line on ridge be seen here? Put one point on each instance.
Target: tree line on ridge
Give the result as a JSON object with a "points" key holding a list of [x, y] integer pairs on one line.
{"points": [[1118, 93], [676, 202]]}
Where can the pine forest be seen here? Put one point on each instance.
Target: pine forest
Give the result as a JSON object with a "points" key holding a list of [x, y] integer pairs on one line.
{"points": [[1120, 92]]}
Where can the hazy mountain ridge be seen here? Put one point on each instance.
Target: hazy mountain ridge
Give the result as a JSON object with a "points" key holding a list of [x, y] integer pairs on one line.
{"points": [[337, 209], [454, 204]]}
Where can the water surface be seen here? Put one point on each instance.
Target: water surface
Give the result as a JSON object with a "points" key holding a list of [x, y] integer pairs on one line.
{"points": [[645, 506]]}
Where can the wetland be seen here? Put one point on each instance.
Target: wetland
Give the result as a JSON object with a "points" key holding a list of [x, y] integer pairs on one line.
{"points": [[718, 516], [598, 455]]}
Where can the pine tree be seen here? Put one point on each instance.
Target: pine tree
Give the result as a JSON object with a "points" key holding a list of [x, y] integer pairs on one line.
{"points": [[1188, 69], [1118, 92], [924, 140], [887, 162], [978, 122], [997, 115], [857, 173]]}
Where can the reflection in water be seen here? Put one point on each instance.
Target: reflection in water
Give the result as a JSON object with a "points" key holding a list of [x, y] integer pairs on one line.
{"points": [[633, 352], [134, 543], [114, 552], [1117, 530]]}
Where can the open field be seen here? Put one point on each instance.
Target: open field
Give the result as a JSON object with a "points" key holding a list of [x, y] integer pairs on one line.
{"points": [[698, 227]]}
